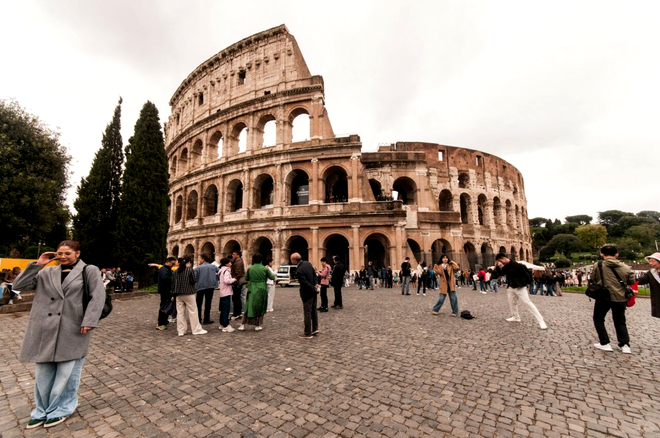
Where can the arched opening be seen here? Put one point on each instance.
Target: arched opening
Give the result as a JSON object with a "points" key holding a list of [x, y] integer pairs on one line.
{"points": [[509, 214], [336, 185], [502, 250], [173, 167], [178, 213], [189, 252], [230, 247], [296, 244], [376, 189], [487, 256], [211, 200], [521, 254], [497, 211], [234, 195], [513, 254], [416, 251], [239, 137], [298, 184], [216, 143], [376, 250], [267, 129], [263, 246], [517, 222], [446, 201], [529, 259], [481, 209], [209, 249], [183, 161], [264, 191], [470, 255], [175, 251], [439, 248], [191, 211], [466, 208], [406, 190], [337, 245], [300, 125], [463, 181], [196, 154]]}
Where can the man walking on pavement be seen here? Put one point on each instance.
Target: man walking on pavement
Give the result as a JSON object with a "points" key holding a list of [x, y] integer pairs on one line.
{"points": [[307, 279], [519, 278], [405, 277]]}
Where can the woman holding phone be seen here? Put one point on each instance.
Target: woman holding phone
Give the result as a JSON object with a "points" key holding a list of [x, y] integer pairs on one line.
{"points": [[58, 331]]}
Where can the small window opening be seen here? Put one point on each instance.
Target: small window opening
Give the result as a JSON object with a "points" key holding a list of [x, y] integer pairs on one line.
{"points": [[266, 93], [201, 99], [178, 119], [241, 77], [440, 155], [479, 160]]}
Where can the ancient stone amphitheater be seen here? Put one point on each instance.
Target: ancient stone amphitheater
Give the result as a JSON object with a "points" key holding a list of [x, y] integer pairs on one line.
{"points": [[255, 165]]}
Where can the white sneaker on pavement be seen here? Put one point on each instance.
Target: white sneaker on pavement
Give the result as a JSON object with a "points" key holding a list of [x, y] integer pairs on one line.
{"points": [[626, 349], [241, 327], [606, 347], [258, 328], [543, 326], [202, 332], [228, 329], [513, 319]]}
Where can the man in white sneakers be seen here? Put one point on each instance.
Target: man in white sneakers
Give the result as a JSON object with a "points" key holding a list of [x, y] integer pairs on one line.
{"points": [[518, 277]]}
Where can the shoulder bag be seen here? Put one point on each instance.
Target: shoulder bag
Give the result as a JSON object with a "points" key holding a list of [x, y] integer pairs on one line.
{"points": [[629, 292], [598, 291], [107, 307]]}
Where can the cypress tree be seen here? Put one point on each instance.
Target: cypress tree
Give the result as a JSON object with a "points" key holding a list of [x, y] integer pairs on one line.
{"points": [[142, 225], [97, 205]]}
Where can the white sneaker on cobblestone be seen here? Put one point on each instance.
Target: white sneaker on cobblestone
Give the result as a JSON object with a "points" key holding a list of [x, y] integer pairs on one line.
{"points": [[258, 328], [606, 347], [626, 349], [241, 327], [201, 332], [543, 326], [227, 329], [513, 319]]}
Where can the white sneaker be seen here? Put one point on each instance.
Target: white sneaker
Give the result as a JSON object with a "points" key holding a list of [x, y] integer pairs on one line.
{"points": [[626, 349], [484, 293], [228, 329], [258, 328], [19, 298], [606, 347], [543, 326], [241, 328], [513, 319], [202, 332]]}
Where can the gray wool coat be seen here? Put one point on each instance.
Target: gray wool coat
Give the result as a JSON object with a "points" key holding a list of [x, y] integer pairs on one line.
{"points": [[53, 330]]}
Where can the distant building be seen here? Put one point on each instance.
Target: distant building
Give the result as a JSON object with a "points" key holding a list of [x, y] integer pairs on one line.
{"points": [[319, 194]]}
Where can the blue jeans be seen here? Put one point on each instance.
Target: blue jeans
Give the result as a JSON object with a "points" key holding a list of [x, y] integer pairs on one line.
{"points": [[225, 304], [405, 284], [548, 288], [535, 288], [56, 388], [493, 285], [453, 300], [482, 285]]}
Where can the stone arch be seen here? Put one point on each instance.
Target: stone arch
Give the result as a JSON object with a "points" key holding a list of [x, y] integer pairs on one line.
{"points": [[529, 259], [234, 195], [463, 180], [189, 252], [377, 250], [216, 143], [406, 190], [416, 251], [439, 248], [175, 251], [509, 214], [521, 254], [173, 167], [264, 191], [209, 249], [466, 208], [470, 255], [196, 154], [296, 243], [238, 138], [497, 210], [300, 124], [446, 201], [487, 256], [183, 161], [376, 188], [336, 244], [502, 250], [266, 131], [230, 246], [262, 245], [178, 211], [481, 209], [191, 208], [297, 188], [513, 253], [335, 180], [211, 200]]}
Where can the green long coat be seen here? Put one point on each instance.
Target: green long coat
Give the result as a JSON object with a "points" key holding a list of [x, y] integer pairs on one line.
{"points": [[257, 299]]}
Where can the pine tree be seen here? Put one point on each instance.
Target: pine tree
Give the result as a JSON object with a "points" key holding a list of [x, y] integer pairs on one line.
{"points": [[142, 230], [97, 205]]}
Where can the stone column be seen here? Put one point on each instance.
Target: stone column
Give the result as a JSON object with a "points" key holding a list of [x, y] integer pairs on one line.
{"points": [[354, 194], [277, 248], [356, 260], [248, 196], [315, 246], [184, 207], [279, 188], [314, 183], [221, 197], [200, 202], [398, 243]]}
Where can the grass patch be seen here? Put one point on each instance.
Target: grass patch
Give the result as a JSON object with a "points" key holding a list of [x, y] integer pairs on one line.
{"points": [[152, 289], [642, 290]]}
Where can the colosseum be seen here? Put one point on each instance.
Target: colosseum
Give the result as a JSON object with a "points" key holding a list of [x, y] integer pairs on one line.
{"points": [[255, 165]]}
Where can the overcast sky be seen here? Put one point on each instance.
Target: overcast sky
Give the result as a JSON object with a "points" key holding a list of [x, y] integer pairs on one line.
{"points": [[567, 91]]}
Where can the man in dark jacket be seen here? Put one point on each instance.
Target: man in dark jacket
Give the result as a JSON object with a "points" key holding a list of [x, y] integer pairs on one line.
{"points": [[518, 277], [307, 279], [165, 290], [337, 281], [405, 277]]}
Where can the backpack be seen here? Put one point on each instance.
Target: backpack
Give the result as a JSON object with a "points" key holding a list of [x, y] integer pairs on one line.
{"points": [[465, 314], [107, 307]]}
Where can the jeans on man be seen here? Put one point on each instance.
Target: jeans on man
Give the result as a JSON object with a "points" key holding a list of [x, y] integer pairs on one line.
{"points": [[618, 317], [56, 388], [204, 294], [548, 288], [482, 285], [493, 284], [163, 317], [453, 300], [405, 285], [311, 317], [536, 287]]}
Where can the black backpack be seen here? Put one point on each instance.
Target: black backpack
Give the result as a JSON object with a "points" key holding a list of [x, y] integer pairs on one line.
{"points": [[107, 307], [465, 314]]}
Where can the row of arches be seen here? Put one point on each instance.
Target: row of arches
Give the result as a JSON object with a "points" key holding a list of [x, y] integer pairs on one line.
{"points": [[237, 140], [487, 212]]}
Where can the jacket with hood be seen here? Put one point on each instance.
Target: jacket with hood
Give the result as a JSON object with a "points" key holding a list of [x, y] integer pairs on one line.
{"points": [[609, 280]]}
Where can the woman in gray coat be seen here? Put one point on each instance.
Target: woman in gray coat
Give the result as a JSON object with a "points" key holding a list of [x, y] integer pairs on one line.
{"points": [[58, 331]]}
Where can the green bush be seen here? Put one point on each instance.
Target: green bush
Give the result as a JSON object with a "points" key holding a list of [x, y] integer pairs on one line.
{"points": [[562, 262]]}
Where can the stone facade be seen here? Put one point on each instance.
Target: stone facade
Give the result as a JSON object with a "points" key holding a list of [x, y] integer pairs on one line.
{"points": [[242, 178]]}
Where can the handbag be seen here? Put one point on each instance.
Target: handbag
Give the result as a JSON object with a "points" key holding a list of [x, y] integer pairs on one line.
{"points": [[107, 306], [598, 291]]}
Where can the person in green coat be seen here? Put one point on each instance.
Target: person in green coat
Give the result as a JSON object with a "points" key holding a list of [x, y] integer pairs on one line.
{"points": [[256, 302]]}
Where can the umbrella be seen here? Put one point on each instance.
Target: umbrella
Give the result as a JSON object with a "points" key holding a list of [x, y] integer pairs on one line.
{"points": [[532, 266]]}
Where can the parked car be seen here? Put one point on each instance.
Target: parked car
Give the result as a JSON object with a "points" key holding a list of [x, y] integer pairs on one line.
{"points": [[286, 276]]}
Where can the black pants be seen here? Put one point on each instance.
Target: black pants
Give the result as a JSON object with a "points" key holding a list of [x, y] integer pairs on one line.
{"points": [[324, 296], [618, 316], [165, 297], [338, 301], [236, 299], [311, 317], [224, 310], [421, 284], [201, 294]]}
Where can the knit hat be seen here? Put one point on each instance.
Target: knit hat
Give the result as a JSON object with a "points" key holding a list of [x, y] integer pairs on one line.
{"points": [[655, 255]]}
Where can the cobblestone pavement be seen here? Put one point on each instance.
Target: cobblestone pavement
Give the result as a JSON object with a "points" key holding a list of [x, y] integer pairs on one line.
{"points": [[382, 366]]}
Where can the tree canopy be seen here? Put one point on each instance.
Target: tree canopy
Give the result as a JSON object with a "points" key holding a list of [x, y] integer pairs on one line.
{"points": [[581, 219], [34, 169]]}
